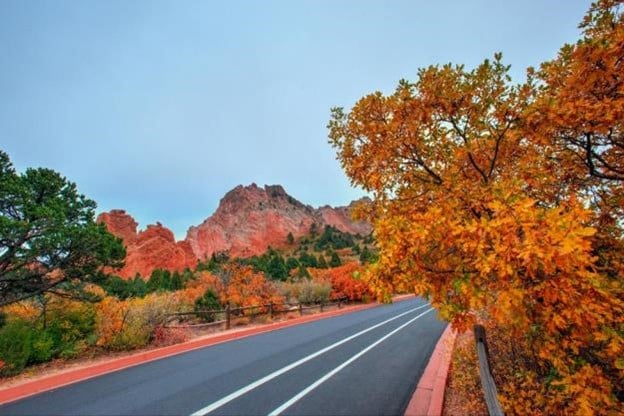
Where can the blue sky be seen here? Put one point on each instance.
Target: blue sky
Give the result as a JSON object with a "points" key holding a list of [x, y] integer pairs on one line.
{"points": [[160, 107]]}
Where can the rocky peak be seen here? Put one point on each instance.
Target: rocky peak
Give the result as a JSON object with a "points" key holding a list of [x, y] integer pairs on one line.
{"points": [[157, 231], [119, 224], [253, 197], [250, 218]]}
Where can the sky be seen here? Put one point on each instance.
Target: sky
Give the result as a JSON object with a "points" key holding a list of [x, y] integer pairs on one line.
{"points": [[161, 107]]}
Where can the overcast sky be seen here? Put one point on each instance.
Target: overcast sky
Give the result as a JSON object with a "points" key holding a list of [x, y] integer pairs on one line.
{"points": [[162, 107]]}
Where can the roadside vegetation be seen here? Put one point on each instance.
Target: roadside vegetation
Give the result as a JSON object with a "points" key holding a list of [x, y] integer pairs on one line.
{"points": [[503, 204], [57, 302]]}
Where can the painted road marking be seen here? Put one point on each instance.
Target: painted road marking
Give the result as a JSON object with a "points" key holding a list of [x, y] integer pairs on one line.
{"points": [[327, 376], [232, 396]]}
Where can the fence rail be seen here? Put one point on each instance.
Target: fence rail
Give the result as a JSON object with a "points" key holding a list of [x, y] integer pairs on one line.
{"points": [[228, 313], [487, 381]]}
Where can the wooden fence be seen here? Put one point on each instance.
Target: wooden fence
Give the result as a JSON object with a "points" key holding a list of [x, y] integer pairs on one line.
{"points": [[225, 316], [487, 381]]}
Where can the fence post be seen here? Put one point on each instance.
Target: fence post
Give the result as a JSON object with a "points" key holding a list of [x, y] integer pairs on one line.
{"points": [[487, 381], [339, 303], [300, 309], [321, 306], [271, 310], [227, 316]]}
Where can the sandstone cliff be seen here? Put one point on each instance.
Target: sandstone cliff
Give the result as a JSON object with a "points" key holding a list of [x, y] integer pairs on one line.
{"points": [[153, 248], [248, 220]]}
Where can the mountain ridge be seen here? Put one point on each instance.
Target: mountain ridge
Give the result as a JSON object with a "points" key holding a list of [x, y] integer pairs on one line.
{"points": [[248, 220]]}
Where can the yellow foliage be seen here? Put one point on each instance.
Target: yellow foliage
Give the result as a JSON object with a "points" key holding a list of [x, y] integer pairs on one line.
{"points": [[127, 324], [26, 310], [505, 202]]}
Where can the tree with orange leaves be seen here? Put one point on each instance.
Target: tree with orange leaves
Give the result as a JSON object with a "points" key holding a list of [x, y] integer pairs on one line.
{"points": [[244, 287], [345, 281], [489, 201]]}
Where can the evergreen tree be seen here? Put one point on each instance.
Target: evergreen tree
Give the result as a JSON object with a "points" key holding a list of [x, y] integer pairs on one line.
{"points": [[208, 302], [335, 260], [116, 286], [213, 264], [166, 281], [277, 268], [159, 280], [365, 255], [176, 282], [307, 260], [139, 288], [155, 281], [292, 263], [49, 240]]}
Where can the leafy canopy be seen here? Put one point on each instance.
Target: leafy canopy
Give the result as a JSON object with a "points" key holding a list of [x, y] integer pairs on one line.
{"points": [[504, 203], [49, 241]]}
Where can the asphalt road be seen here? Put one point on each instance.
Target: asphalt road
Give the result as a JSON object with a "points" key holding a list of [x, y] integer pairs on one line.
{"points": [[362, 363]]}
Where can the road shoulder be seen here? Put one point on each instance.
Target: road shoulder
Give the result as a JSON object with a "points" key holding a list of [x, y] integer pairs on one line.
{"points": [[428, 398]]}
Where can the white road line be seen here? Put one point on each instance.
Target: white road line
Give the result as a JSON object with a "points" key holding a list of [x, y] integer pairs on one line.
{"points": [[219, 403], [321, 380]]}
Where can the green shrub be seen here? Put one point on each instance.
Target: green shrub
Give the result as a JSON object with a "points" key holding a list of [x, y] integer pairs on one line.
{"points": [[66, 329], [135, 335], [209, 301], [42, 347], [71, 327], [15, 346]]}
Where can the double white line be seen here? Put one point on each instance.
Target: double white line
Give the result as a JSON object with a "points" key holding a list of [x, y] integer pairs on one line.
{"points": [[223, 401]]}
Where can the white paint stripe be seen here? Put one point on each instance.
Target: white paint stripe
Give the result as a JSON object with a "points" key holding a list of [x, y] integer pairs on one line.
{"points": [[321, 380], [219, 403]]}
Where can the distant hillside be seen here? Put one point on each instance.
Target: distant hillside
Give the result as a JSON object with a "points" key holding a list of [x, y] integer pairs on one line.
{"points": [[248, 221]]}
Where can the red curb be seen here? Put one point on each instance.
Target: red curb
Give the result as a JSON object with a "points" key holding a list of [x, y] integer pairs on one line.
{"points": [[30, 388], [428, 398]]}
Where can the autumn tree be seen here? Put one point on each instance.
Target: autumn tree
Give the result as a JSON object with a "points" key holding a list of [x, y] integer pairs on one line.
{"points": [[345, 281], [49, 240], [244, 287], [484, 201], [581, 105]]}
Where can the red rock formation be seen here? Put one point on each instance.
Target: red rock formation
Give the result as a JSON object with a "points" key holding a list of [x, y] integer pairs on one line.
{"points": [[248, 220], [153, 248], [340, 217], [120, 225]]}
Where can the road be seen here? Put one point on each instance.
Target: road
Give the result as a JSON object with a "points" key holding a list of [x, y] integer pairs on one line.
{"points": [[364, 363]]}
